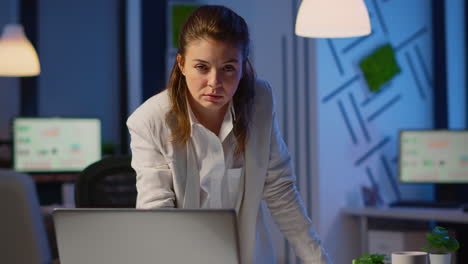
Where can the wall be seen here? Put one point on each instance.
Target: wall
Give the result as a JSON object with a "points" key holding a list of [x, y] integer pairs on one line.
{"points": [[347, 136], [133, 54], [9, 87], [78, 48], [78, 51], [358, 129], [456, 63], [338, 132]]}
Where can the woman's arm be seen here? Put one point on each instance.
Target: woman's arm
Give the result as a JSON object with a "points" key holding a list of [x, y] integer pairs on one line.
{"points": [[154, 178], [285, 203]]}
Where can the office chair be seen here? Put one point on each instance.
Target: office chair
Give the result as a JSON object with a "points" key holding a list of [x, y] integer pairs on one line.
{"points": [[23, 237], [108, 183]]}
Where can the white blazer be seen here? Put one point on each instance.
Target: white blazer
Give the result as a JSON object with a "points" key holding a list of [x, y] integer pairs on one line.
{"points": [[166, 178]]}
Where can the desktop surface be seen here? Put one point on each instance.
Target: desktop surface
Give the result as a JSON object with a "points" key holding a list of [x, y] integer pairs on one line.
{"points": [[427, 204], [457, 219], [411, 213]]}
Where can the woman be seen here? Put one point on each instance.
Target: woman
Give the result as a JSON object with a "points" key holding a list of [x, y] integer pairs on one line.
{"points": [[211, 140]]}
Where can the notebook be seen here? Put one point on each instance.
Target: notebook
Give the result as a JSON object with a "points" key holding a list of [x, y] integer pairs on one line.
{"points": [[118, 236]]}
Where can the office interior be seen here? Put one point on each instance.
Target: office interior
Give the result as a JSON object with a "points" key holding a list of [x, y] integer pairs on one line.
{"points": [[102, 59]]}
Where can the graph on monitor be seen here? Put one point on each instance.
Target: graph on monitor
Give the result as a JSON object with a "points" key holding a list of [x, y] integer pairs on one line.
{"points": [[433, 156], [55, 144]]}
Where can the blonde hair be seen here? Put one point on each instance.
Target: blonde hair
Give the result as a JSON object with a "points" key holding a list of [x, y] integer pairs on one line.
{"points": [[221, 24]]}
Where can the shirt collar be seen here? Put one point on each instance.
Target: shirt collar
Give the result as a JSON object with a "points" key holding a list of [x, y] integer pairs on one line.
{"points": [[193, 119], [226, 126]]}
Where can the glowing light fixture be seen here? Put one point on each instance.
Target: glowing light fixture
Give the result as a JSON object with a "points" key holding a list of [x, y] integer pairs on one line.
{"points": [[17, 55], [332, 19]]}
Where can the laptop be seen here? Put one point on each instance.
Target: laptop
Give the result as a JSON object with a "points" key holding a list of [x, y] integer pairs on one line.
{"points": [[118, 236]]}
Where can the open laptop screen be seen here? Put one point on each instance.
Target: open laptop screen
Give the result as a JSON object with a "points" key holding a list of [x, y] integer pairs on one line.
{"points": [[122, 236], [55, 144]]}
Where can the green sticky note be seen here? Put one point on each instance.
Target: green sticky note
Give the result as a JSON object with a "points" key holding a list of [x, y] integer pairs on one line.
{"points": [[379, 67], [179, 13]]}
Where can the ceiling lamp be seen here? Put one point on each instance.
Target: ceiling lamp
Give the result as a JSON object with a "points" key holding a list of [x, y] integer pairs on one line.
{"points": [[332, 19]]}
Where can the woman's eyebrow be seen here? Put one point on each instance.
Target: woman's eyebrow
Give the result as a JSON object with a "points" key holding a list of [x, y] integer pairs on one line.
{"points": [[199, 60], [228, 61], [232, 60]]}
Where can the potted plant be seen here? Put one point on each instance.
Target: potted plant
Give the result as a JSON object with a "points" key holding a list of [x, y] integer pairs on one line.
{"points": [[441, 244], [371, 259]]}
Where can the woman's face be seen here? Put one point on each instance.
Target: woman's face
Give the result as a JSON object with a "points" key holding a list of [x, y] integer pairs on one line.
{"points": [[212, 70]]}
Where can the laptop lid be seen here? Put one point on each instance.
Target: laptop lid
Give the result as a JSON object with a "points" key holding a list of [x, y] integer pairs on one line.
{"points": [[121, 236]]}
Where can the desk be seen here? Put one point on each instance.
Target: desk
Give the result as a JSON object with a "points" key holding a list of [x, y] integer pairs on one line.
{"points": [[55, 177], [400, 213]]}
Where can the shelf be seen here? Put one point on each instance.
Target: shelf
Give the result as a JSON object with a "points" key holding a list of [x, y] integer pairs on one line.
{"points": [[412, 213]]}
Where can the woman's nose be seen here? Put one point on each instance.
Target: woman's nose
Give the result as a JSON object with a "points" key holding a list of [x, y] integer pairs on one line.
{"points": [[214, 79]]}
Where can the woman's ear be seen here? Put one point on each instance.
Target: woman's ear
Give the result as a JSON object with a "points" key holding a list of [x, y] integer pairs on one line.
{"points": [[180, 63]]}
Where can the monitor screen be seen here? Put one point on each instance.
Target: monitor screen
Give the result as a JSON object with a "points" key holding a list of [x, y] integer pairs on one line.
{"points": [[55, 144], [433, 156]]}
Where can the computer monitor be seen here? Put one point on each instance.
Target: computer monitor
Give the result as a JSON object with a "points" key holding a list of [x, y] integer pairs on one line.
{"points": [[55, 144], [433, 156]]}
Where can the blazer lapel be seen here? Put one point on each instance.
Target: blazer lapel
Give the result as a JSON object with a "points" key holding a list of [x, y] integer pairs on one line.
{"points": [[179, 169], [186, 177], [256, 165], [254, 178], [192, 181]]}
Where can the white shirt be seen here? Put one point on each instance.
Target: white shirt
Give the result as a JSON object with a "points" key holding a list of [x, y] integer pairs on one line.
{"points": [[220, 171]]}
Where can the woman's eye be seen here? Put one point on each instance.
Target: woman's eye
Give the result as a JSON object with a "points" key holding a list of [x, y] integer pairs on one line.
{"points": [[229, 68], [201, 67]]}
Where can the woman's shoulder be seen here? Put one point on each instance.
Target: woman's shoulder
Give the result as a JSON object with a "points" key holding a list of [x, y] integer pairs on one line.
{"points": [[262, 86], [263, 94], [152, 111], [263, 91]]}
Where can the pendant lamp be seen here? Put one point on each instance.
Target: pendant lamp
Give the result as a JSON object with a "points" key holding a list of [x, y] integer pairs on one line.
{"points": [[17, 55], [332, 19]]}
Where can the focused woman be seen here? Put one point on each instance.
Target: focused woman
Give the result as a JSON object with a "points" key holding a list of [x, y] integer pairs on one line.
{"points": [[211, 140]]}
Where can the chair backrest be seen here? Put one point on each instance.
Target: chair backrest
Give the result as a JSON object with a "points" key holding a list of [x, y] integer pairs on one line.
{"points": [[23, 236], [108, 183]]}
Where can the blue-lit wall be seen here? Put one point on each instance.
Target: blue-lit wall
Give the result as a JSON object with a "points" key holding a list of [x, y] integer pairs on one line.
{"points": [[78, 48], [358, 129], [9, 87], [456, 64], [78, 51], [340, 134]]}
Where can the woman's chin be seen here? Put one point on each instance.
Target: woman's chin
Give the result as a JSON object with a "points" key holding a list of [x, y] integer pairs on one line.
{"points": [[214, 106]]}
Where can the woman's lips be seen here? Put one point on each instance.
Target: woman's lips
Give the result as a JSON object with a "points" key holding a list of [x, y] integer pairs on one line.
{"points": [[213, 97]]}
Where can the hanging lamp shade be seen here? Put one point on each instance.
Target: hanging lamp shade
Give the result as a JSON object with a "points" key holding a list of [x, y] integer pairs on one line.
{"points": [[17, 55], [332, 19]]}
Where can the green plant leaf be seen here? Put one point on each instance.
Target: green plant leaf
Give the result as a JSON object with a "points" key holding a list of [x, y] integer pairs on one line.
{"points": [[441, 241], [452, 244], [440, 230], [371, 259], [430, 237], [426, 249]]}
